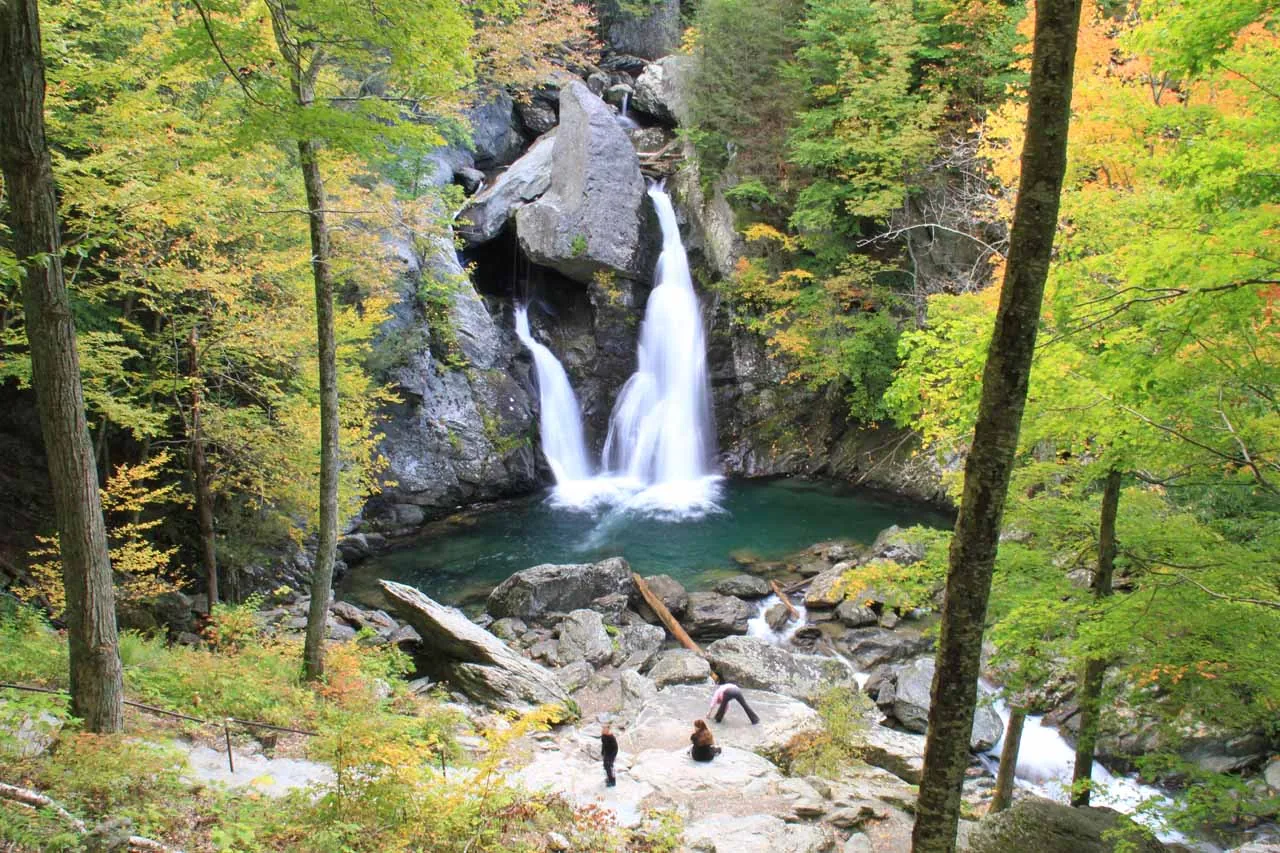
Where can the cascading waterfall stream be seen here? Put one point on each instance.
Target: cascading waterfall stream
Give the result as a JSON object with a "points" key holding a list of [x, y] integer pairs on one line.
{"points": [[661, 431], [657, 456], [559, 419]]}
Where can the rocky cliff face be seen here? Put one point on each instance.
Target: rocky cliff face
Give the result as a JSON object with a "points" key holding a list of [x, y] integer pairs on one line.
{"points": [[565, 226]]}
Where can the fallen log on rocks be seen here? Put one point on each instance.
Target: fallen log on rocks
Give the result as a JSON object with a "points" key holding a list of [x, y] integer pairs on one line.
{"points": [[786, 601], [656, 605], [37, 801]]}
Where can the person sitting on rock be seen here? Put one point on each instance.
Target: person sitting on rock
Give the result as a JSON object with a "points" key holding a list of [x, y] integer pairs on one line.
{"points": [[704, 743], [608, 753], [723, 696]]}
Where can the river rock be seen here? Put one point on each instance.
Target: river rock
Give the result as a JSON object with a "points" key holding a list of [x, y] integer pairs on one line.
{"points": [[583, 637], [533, 594], [907, 700], [713, 615], [590, 219], [894, 544], [576, 675], [670, 592], [638, 647], [1047, 827], [777, 616], [827, 589], [538, 115], [495, 132], [636, 688], [508, 628], [1271, 774], [661, 90], [871, 647], [679, 666], [855, 615], [475, 661], [749, 587], [646, 30], [722, 833], [488, 211], [900, 753], [750, 662]]}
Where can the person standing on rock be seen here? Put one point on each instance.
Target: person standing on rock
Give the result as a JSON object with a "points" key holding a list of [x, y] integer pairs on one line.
{"points": [[608, 753], [704, 748], [723, 696]]}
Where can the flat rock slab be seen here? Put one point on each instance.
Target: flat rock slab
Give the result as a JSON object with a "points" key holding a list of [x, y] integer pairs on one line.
{"points": [[666, 719], [721, 833], [736, 780], [579, 777], [274, 777]]}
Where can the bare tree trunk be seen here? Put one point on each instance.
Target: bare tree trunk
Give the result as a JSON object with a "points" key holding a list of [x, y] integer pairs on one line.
{"points": [[302, 76], [991, 457], [96, 689], [327, 536], [1008, 760], [200, 473], [1090, 693]]}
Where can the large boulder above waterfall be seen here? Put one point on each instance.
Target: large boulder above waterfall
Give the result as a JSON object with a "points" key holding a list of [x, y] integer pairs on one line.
{"points": [[526, 180], [472, 659], [749, 662], [590, 219], [647, 30], [495, 131], [660, 89], [534, 593]]}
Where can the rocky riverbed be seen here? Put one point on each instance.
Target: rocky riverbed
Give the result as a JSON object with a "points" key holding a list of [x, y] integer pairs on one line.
{"points": [[580, 636]]}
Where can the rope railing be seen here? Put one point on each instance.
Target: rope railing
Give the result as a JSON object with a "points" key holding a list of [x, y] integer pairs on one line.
{"points": [[225, 724]]}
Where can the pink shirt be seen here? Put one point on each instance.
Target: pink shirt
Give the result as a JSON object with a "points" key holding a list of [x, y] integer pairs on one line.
{"points": [[719, 696]]}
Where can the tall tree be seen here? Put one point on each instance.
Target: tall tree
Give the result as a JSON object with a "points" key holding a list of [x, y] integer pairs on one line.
{"points": [[97, 690], [351, 76], [1095, 668], [991, 458]]}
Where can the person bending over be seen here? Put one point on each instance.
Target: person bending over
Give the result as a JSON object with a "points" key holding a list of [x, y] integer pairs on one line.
{"points": [[723, 696]]}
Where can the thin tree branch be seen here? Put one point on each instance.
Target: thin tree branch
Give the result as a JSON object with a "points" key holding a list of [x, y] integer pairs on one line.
{"points": [[213, 40]]}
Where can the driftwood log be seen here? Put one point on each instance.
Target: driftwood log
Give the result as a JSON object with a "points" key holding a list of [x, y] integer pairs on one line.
{"points": [[656, 605]]}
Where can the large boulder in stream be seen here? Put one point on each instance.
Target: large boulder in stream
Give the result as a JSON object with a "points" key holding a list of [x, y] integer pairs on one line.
{"points": [[590, 220], [1049, 827], [661, 90], [473, 660], [749, 662], [711, 614], [535, 593], [905, 697]]}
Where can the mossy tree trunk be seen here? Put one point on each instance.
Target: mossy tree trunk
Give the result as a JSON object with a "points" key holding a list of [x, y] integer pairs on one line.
{"points": [[1090, 692], [1008, 760], [991, 457], [97, 692]]}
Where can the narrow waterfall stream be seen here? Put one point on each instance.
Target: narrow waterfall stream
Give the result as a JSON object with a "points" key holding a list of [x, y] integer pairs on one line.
{"points": [[559, 418]]}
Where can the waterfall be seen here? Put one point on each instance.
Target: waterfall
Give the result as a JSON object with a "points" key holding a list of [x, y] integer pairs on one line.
{"points": [[661, 431], [559, 421]]}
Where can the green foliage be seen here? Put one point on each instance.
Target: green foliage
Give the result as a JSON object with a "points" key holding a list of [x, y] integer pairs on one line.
{"points": [[865, 126], [578, 246], [740, 102], [829, 751]]}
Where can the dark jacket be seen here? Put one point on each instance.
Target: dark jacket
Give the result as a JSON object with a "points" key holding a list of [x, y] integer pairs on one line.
{"points": [[704, 748], [608, 747]]}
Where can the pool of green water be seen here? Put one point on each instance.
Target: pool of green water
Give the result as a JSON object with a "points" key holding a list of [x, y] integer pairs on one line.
{"points": [[460, 559]]}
